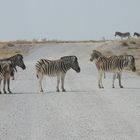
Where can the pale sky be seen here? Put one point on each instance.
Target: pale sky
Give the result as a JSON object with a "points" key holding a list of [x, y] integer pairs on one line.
{"points": [[67, 19]]}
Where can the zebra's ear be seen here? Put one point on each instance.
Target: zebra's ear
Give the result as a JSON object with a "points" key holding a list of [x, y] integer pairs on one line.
{"points": [[75, 58], [94, 51]]}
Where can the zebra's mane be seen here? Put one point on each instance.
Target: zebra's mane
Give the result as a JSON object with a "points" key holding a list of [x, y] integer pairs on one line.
{"points": [[97, 52], [68, 57]]}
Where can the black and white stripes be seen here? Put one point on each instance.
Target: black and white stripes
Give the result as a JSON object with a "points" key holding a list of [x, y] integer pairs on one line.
{"points": [[122, 35], [56, 68], [112, 64], [7, 69]]}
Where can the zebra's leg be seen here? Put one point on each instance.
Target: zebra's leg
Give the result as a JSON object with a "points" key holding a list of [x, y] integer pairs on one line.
{"points": [[104, 75], [119, 77], [40, 77], [114, 77], [8, 85], [12, 75], [62, 82], [100, 80], [4, 84], [58, 82], [0, 87], [99, 75]]}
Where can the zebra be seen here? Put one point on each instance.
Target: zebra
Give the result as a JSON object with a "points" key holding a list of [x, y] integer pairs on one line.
{"points": [[10, 63], [16, 60], [6, 70], [123, 35], [112, 64], [56, 68], [136, 34], [100, 54]]}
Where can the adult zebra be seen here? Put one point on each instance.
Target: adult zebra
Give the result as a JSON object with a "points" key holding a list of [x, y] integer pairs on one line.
{"points": [[122, 35], [11, 63], [136, 34], [113, 64], [16, 60], [56, 68], [6, 70], [100, 54]]}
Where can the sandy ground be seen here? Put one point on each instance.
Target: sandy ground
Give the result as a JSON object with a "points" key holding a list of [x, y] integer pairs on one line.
{"points": [[84, 112]]}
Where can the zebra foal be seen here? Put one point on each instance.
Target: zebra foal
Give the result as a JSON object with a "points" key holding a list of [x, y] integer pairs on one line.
{"points": [[113, 64], [56, 68]]}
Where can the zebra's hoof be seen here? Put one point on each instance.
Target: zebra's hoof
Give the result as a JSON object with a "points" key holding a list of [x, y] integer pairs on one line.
{"points": [[63, 90], [0, 92], [5, 92], [121, 86], [10, 92], [57, 90], [41, 90]]}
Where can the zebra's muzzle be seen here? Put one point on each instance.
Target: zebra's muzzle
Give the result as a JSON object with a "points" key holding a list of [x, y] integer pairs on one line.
{"points": [[91, 59], [134, 69], [23, 67], [78, 70]]}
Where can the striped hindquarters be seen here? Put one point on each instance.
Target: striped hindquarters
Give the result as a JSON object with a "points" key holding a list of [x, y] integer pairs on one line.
{"points": [[6, 68]]}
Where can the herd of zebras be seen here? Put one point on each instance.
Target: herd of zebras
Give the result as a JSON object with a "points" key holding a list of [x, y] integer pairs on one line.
{"points": [[58, 68], [127, 34]]}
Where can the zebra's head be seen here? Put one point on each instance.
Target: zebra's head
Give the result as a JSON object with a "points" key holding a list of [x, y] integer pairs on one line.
{"points": [[132, 64], [129, 62], [18, 61], [95, 55], [73, 62], [134, 33], [128, 34]]}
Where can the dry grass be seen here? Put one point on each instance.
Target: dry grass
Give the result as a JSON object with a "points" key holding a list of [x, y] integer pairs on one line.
{"points": [[5, 54], [8, 49], [124, 43]]}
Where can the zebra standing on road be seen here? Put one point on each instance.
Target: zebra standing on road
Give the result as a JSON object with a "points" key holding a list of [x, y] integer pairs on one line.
{"points": [[10, 64], [122, 35], [136, 34], [113, 64], [56, 68]]}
